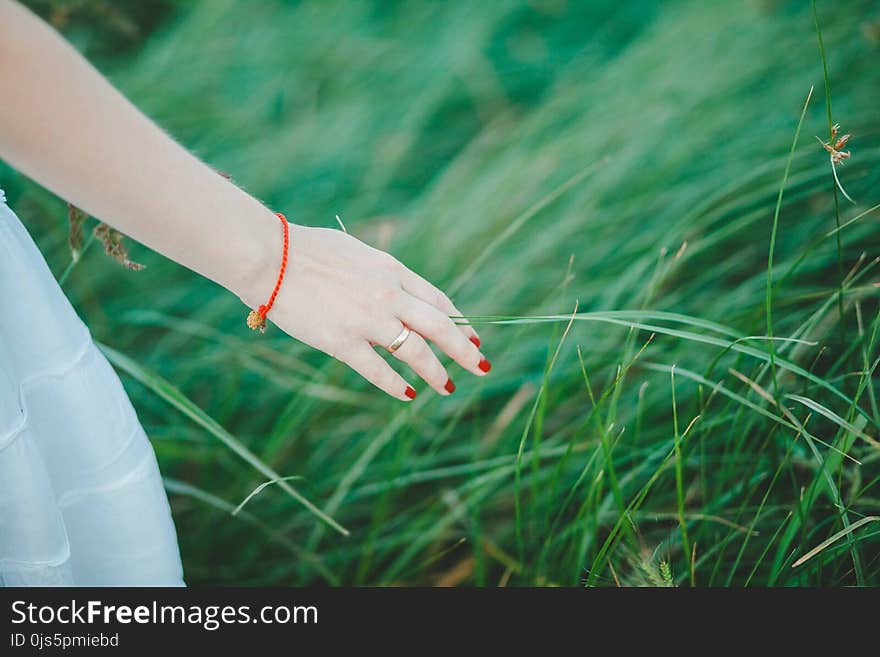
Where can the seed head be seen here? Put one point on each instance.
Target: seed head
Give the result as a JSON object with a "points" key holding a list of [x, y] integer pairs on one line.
{"points": [[114, 246], [837, 155], [835, 149]]}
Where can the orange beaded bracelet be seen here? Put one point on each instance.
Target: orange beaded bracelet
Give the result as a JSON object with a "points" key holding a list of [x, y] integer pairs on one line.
{"points": [[256, 320]]}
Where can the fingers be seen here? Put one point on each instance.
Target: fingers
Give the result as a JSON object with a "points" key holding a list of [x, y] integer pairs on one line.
{"points": [[366, 362], [431, 323], [430, 294], [416, 353], [426, 310]]}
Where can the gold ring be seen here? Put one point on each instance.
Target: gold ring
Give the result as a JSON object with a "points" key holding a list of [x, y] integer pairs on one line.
{"points": [[399, 340]]}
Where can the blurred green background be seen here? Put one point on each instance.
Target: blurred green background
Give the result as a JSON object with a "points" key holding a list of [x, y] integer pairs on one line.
{"points": [[525, 156]]}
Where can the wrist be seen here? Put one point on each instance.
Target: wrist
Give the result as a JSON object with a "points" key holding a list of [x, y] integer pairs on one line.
{"points": [[260, 261]]}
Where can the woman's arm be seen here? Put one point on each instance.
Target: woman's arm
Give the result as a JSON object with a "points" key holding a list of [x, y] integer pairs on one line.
{"points": [[65, 126]]}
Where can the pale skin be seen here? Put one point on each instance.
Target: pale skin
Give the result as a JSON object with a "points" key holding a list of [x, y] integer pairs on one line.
{"points": [[63, 125]]}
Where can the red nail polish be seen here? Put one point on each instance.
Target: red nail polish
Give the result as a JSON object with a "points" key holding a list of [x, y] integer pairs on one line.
{"points": [[484, 365], [450, 386], [475, 340], [410, 392]]}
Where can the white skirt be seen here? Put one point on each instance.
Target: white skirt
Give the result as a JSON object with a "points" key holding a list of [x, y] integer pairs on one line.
{"points": [[81, 498]]}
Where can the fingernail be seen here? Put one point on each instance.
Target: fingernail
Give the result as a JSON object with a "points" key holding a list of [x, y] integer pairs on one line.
{"points": [[475, 340], [410, 392], [450, 386], [484, 365]]}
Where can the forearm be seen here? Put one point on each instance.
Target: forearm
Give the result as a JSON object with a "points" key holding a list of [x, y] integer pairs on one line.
{"points": [[65, 126]]}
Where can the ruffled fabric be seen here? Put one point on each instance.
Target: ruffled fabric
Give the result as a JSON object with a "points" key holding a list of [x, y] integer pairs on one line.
{"points": [[81, 497]]}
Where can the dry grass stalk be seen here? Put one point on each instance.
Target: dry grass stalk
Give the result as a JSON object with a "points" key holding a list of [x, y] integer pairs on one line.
{"points": [[76, 218]]}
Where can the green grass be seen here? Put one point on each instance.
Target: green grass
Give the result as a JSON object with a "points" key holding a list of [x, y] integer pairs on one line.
{"points": [[705, 416]]}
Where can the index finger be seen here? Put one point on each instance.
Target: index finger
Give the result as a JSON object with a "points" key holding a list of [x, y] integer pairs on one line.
{"points": [[431, 294]]}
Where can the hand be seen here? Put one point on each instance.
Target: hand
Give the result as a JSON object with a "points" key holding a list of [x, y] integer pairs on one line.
{"points": [[344, 298]]}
